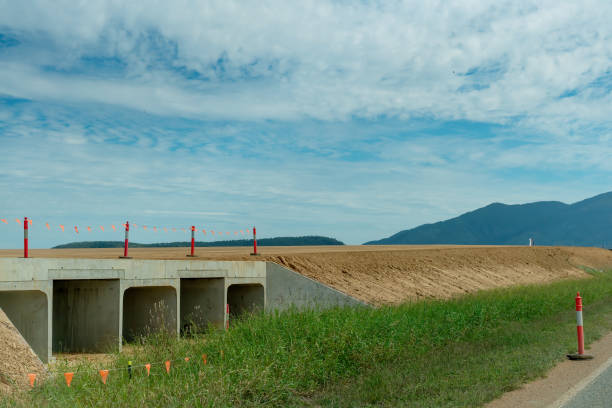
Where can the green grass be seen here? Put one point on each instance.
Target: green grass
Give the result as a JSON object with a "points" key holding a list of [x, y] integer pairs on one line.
{"points": [[456, 353]]}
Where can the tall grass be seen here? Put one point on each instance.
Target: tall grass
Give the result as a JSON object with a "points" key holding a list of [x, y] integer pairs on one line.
{"points": [[453, 353]]}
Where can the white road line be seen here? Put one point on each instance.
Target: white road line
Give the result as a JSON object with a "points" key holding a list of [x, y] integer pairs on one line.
{"points": [[572, 392]]}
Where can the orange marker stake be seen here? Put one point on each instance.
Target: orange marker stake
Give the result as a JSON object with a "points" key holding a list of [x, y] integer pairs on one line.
{"points": [[186, 359], [62, 227], [4, 221], [68, 377], [204, 358], [89, 229], [103, 375], [18, 220], [148, 367], [32, 378], [47, 225], [113, 227], [76, 229], [102, 228], [168, 366]]}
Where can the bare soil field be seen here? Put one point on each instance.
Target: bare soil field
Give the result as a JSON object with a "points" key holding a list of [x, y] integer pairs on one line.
{"points": [[396, 273]]}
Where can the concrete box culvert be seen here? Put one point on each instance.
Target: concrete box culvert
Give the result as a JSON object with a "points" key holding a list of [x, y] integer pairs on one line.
{"points": [[91, 305], [149, 309]]}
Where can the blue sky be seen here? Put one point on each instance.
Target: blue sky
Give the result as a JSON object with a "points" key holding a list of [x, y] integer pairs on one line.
{"points": [[348, 119]]}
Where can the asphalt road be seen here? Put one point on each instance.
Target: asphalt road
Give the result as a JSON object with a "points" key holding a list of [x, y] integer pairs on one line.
{"points": [[597, 394]]}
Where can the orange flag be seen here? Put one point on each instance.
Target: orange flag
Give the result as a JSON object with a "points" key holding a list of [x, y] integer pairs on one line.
{"points": [[29, 221], [168, 366], [165, 229], [102, 228], [76, 229], [18, 220], [32, 378], [235, 232], [212, 232], [204, 231], [62, 227], [144, 227], [113, 227], [148, 367], [155, 229], [47, 225], [68, 377], [89, 229], [103, 375], [4, 221]]}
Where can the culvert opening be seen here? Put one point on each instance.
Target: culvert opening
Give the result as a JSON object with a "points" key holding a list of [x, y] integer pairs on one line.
{"points": [[245, 298], [148, 310], [85, 315], [201, 304], [28, 311]]}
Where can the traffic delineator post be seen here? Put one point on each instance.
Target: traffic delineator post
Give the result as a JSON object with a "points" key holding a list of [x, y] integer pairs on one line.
{"points": [[32, 378], [25, 237], [103, 375], [580, 331], [126, 244], [204, 358], [254, 253], [68, 377], [168, 366], [148, 367], [192, 254]]}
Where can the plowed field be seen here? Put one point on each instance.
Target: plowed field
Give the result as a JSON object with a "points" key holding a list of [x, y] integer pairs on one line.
{"points": [[393, 274]]}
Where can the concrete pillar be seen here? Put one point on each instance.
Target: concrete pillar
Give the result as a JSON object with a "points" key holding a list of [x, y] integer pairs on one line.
{"points": [[148, 309], [202, 303], [85, 315], [245, 298], [28, 310]]}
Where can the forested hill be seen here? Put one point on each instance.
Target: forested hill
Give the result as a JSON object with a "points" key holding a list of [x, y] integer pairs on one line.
{"points": [[585, 223], [278, 241]]}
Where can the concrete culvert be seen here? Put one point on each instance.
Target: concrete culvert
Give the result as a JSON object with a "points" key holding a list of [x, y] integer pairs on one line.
{"points": [[148, 309], [245, 298]]}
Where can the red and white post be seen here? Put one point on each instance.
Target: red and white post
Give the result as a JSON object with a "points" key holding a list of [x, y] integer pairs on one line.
{"points": [[192, 254], [580, 332], [25, 237], [254, 242], [126, 245]]}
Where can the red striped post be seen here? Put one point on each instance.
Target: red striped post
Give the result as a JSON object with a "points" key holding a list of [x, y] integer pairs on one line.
{"points": [[580, 332], [254, 242], [125, 247], [25, 237], [192, 242]]}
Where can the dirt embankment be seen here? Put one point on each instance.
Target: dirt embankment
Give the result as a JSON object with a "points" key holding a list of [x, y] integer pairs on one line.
{"points": [[392, 274], [17, 359]]}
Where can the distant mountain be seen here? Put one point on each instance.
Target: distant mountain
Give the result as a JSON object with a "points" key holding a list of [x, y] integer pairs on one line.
{"points": [[585, 223], [278, 241]]}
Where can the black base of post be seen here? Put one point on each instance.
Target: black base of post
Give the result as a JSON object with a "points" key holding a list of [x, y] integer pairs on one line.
{"points": [[579, 357], [254, 254], [125, 257], [191, 256]]}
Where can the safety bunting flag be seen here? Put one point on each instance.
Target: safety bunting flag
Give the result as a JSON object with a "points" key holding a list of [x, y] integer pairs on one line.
{"points": [[148, 369]]}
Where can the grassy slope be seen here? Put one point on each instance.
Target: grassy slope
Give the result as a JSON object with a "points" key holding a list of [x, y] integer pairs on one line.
{"points": [[455, 353]]}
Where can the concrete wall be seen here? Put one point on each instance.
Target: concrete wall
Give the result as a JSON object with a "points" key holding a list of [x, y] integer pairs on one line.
{"points": [[148, 309], [85, 315], [202, 303], [28, 311], [245, 298], [285, 288]]}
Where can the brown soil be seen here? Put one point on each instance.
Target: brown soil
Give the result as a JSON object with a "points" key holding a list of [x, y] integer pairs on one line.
{"points": [[393, 274], [17, 359]]}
